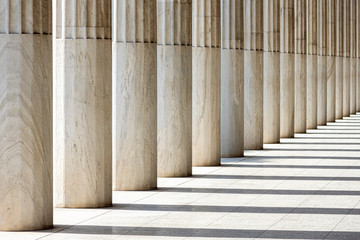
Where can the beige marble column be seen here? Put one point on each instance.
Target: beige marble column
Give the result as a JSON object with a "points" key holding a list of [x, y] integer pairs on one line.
{"points": [[232, 82], [82, 103], [331, 60], [357, 56], [339, 59], [312, 65], [287, 73], [174, 88], [206, 85], [346, 59], [322, 63], [134, 95], [271, 71], [353, 56], [300, 66], [26, 196]]}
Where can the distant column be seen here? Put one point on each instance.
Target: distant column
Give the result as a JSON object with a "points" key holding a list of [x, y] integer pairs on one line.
{"points": [[271, 71], [206, 82], [82, 104], [322, 63], [331, 60], [26, 189], [353, 56], [174, 88], [300, 66], [232, 83], [339, 59], [287, 73], [134, 95], [346, 60]]}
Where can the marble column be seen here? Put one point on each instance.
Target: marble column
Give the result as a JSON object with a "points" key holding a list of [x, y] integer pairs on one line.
{"points": [[312, 65], [206, 66], [339, 59], [346, 59], [26, 196], [322, 63], [287, 73], [82, 103], [357, 56], [353, 56], [232, 81], [174, 69], [300, 66], [271, 76], [134, 95], [331, 61]]}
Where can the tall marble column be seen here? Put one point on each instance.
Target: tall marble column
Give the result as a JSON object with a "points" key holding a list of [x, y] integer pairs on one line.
{"points": [[82, 103], [353, 56], [357, 56], [26, 196], [174, 88], [346, 59], [232, 82], [287, 73], [331, 60], [312, 65], [339, 59], [300, 66], [271, 76], [134, 95], [206, 82], [322, 63], [253, 74]]}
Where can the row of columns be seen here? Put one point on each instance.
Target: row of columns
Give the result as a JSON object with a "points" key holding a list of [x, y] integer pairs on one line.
{"points": [[149, 88]]}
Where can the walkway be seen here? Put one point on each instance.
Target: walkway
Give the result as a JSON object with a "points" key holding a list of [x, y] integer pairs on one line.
{"points": [[304, 188]]}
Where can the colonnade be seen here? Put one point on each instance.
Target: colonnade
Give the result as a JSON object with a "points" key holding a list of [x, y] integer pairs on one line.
{"points": [[149, 88]]}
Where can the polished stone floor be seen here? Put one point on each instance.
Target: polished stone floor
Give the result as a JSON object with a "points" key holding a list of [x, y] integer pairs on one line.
{"points": [[304, 188]]}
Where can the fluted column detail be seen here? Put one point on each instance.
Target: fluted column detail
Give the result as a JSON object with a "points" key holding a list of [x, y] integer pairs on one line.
{"points": [[82, 107], [206, 82], [353, 56], [174, 87], [339, 59], [357, 56], [300, 66], [271, 71], [322, 62], [346, 60], [312, 65], [331, 60], [26, 196], [134, 95], [232, 83], [287, 74]]}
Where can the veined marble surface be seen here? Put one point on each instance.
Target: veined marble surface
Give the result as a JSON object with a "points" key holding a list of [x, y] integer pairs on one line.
{"points": [[353, 85], [26, 199], [300, 93], [321, 93], [311, 89], [331, 88], [82, 123], [339, 88], [287, 93]]}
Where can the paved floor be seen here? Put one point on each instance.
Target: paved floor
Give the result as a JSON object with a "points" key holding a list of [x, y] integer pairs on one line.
{"points": [[304, 188]]}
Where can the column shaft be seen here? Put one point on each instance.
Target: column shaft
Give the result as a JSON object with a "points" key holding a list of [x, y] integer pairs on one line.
{"points": [[357, 56], [339, 59], [353, 56], [331, 61], [82, 106], [174, 68], [134, 95], [300, 66], [26, 196], [346, 59], [271, 71], [232, 83], [206, 82], [287, 73]]}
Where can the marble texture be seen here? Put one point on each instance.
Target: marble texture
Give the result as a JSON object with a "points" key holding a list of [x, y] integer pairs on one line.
{"points": [[287, 74], [174, 90], [353, 56], [26, 198], [346, 55], [339, 59], [357, 56], [134, 95], [300, 67], [232, 80], [271, 125], [253, 74], [26, 155], [206, 72]]}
